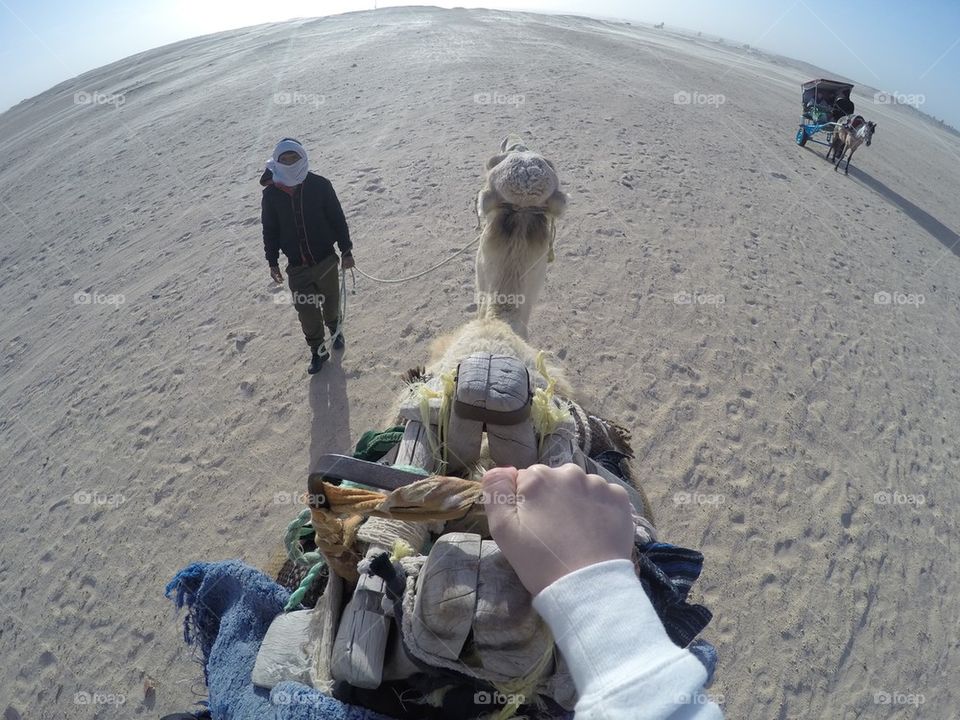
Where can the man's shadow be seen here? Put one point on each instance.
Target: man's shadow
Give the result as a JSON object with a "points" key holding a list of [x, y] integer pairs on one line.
{"points": [[330, 427]]}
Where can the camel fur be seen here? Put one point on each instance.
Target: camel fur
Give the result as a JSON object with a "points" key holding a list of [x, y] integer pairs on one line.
{"points": [[482, 335], [496, 337]]}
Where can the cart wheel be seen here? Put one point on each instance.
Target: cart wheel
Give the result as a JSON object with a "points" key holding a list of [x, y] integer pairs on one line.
{"points": [[801, 137]]}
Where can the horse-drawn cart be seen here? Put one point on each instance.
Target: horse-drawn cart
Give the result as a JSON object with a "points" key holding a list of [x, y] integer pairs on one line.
{"points": [[824, 103]]}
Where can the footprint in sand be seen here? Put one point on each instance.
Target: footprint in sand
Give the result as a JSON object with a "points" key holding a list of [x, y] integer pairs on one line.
{"points": [[374, 186], [240, 340]]}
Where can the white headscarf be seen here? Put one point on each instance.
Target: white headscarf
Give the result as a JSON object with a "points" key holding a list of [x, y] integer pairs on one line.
{"points": [[289, 175]]}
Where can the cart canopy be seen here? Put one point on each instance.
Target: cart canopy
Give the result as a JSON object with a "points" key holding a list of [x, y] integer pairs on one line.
{"points": [[825, 92]]}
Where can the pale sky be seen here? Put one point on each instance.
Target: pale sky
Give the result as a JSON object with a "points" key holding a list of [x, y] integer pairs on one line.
{"points": [[910, 48]]}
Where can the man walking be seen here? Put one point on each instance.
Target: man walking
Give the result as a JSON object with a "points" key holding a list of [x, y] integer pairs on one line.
{"points": [[301, 216]]}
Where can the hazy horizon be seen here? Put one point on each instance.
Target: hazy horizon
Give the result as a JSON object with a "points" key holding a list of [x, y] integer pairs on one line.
{"points": [[911, 52]]}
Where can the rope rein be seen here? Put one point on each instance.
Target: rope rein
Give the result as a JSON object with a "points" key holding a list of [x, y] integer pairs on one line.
{"points": [[342, 313], [514, 208], [394, 281], [424, 272]]}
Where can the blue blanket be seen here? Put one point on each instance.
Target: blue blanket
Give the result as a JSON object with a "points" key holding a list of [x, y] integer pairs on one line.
{"points": [[229, 608]]}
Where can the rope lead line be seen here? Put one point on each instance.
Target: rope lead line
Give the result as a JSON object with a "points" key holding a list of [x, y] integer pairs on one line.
{"points": [[424, 272]]}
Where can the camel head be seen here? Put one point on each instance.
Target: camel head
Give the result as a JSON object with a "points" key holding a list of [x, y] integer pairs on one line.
{"points": [[520, 180], [868, 132]]}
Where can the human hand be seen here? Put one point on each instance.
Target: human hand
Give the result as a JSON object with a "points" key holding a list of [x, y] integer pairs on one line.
{"points": [[550, 522], [348, 262], [276, 274]]}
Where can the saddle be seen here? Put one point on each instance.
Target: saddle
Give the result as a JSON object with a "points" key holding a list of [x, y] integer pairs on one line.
{"points": [[417, 592]]}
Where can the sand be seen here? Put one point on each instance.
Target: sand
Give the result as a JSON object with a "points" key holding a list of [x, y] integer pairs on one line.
{"points": [[714, 290]]}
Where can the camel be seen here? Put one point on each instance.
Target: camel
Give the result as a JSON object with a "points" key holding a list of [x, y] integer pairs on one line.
{"points": [[487, 398], [517, 207], [494, 336], [851, 132], [488, 334]]}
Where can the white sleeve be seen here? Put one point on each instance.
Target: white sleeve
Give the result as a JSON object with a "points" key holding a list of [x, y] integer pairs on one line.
{"points": [[622, 661]]}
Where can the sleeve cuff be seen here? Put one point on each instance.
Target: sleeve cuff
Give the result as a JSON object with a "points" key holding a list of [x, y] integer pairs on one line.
{"points": [[583, 608], [615, 644]]}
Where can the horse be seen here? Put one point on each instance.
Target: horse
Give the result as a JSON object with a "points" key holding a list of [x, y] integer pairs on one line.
{"points": [[850, 133]]}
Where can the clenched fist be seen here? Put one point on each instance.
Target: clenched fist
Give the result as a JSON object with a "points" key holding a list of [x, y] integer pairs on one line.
{"points": [[550, 522]]}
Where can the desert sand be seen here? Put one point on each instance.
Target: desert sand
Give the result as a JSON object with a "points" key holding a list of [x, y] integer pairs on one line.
{"points": [[715, 290]]}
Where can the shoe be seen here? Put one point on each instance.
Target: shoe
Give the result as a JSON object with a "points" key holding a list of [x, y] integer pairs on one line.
{"points": [[319, 357], [338, 342]]}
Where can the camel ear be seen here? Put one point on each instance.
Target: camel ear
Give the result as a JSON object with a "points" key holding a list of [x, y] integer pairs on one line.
{"points": [[487, 200], [495, 160], [556, 203], [512, 142]]}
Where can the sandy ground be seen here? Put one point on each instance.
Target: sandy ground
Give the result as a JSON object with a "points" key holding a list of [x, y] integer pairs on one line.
{"points": [[714, 290]]}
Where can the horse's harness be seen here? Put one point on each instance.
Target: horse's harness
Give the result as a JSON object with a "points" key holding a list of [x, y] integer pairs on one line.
{"points": [[857, 125]]}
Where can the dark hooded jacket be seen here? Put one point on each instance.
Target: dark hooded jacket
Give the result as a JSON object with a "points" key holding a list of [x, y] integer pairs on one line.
{"points": [[304, 225]]}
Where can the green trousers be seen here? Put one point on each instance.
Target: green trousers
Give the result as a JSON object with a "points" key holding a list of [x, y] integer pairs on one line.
{"points": [[316, 296]]}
